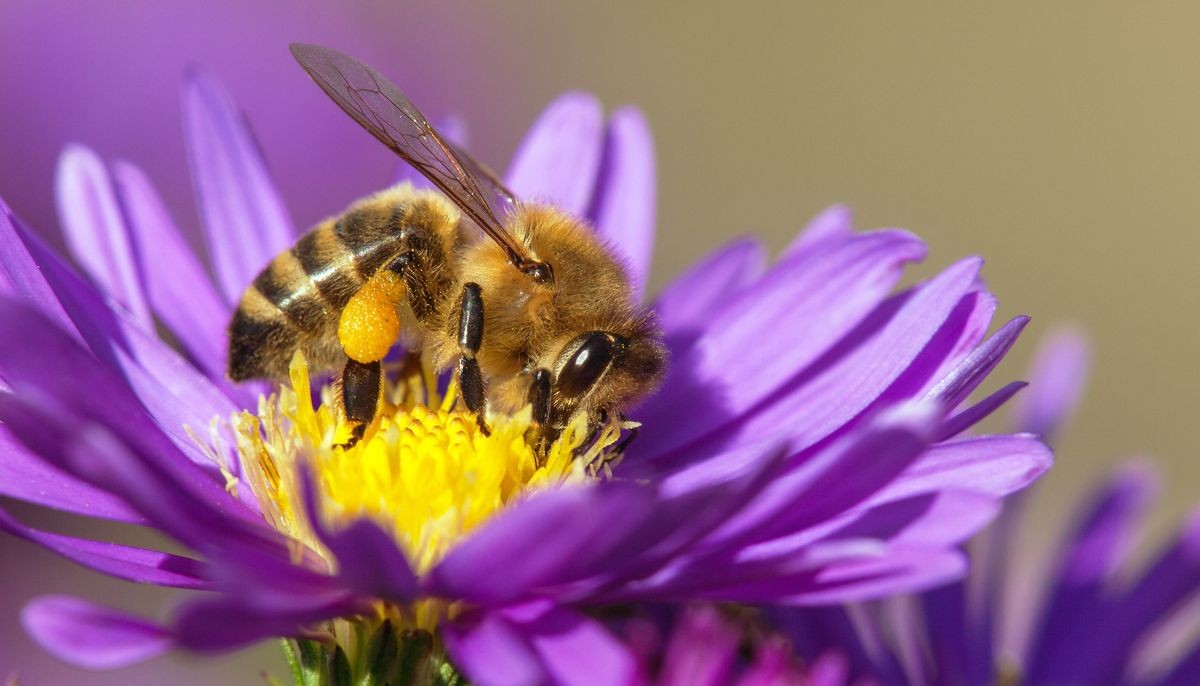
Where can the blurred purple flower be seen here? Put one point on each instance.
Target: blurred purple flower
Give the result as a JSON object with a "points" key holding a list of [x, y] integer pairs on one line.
{"points": [[1101, 618], [803, 449]]}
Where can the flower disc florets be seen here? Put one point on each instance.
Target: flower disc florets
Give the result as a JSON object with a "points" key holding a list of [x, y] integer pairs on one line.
{"points": [[424, 472]]}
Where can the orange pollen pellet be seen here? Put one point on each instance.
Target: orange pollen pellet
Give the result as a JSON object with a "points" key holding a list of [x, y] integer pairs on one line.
{"points": [[370, 324]]}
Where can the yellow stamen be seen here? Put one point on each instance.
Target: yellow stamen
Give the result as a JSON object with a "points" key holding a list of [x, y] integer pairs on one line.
{"points": [[423, 471]]}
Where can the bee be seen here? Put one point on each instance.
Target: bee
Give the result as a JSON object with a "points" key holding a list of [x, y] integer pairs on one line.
{"points": [[539, 312]]}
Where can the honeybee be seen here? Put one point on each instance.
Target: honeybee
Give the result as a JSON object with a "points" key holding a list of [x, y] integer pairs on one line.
{"points": [[540, 313]]}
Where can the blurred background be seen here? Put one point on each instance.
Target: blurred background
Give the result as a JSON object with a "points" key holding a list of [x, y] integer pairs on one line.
{"points": [[1059, 142]]}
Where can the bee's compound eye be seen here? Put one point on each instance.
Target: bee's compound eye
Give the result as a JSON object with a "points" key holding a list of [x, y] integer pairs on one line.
{"points": [[593, 355]]}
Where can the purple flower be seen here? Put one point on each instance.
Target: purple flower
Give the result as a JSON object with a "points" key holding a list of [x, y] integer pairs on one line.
{"points": [[804, 449], [1093, 615]]}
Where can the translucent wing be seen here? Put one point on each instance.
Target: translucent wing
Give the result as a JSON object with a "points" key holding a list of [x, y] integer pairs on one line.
{"points": [[380, 107]]}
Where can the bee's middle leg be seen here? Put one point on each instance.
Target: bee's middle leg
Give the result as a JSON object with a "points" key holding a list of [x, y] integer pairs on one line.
{"points": [[470, 337]]}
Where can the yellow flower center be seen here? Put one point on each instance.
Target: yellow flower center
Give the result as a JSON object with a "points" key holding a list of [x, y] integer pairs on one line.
{"points": [[423, 471]]}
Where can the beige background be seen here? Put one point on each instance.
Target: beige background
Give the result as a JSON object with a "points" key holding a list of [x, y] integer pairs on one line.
{"points": [[1061, 143]]}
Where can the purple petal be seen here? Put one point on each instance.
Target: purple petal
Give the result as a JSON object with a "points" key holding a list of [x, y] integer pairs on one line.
{"points": [[492, 652], [992, 465], [225, 622], [95, 229], [836, 286], [979, 411], [944, 518], [623, 208], [179, 290], [1066, 647], [831, 669], [1057, 378], [835, 479], [833, 223], [701, 650], [90, 636], [685, 306], [558, 161], [175, 393], [80, 388], [538, 644], [966, 377], [898, 570], [245, 219], [27, 477], [539, 541], [369, 561], [573, 649], [21, 276], [124, 562]]}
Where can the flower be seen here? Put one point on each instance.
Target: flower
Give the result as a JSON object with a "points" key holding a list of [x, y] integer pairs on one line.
{"points": [[1093, 616], [804, 448]]}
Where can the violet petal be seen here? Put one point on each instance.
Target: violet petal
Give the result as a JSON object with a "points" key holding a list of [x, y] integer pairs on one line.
{"points": [[29, 478], [685, 305], [96, 230], [833, 223], [179, 290], [623, 208], [245, 219], [1057, 378], [558, 161], [91, 636], [138, 565]]}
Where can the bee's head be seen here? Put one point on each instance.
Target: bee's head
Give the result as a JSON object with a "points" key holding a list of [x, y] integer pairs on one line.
{"points": [[607, 369]]}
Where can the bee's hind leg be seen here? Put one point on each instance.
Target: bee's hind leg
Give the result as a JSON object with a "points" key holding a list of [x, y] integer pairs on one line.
{"points": [[470, 337], [361, 382]]}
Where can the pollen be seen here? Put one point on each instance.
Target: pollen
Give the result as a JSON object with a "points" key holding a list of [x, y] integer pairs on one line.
{"points": [[423, 471], [369, 323]]}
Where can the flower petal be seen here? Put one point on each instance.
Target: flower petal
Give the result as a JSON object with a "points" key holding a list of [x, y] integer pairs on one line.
{"points": [[124, 562], [245, 219], [558, 161], [1065, 649], [91, 636], [701, 651], [21, 277], [1057, 377], [29, 478], [716, 380], [993, 465], [179, 290], [492, 652], [368, 559], [538, 643], [174, 392], [685, 305], [226, 622], [623, 208], [96, 230], [538, 540], [833, 223]]}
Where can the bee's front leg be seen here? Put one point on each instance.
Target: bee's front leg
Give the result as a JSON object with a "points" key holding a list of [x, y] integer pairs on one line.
{"points": [[470, 337], [540, 401]]}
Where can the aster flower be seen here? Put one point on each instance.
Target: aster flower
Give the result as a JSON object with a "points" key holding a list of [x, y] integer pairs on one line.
{"points": [[1097, 617], [804, 449]]}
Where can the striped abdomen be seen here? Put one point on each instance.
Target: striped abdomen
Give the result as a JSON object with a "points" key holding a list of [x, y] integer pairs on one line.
{"points": [[294, 304]]}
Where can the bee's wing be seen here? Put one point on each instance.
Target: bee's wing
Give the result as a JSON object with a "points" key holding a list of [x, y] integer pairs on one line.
{"points": [[380, 107]]}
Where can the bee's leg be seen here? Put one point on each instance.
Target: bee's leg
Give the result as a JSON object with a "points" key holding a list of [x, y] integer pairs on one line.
{"points": [[539, 399], [470, 337], [360, 395]]}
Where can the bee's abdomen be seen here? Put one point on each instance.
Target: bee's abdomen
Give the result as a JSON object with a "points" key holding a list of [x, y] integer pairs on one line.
{"points": [[294, 303]]}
